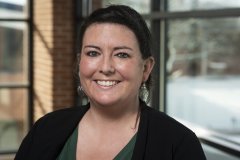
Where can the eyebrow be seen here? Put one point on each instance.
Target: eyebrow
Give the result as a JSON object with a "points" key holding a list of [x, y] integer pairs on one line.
{"points": [[92, 46], [122, 47], [115, 48]]}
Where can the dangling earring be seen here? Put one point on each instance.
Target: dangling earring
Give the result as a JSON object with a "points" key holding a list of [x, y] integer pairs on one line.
{"points": [[143, 92], [79, 89], [82, 95], [81, 92], [143, 86]]}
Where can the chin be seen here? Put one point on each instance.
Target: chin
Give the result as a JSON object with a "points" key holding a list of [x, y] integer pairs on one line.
{"points": [[106, 101]]}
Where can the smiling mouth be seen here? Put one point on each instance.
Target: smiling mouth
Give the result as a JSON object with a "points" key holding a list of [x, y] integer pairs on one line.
{"points": [[107, 83]]}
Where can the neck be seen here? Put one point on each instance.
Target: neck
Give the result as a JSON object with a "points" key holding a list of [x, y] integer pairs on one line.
{"points": [[114, 116]]}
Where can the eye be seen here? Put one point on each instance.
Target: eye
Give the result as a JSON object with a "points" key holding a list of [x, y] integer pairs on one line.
{"points": [[122, 55], [92, 53]]}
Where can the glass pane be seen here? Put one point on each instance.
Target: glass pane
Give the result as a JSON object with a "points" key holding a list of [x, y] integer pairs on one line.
{"points": [[13, 52], [13, 8], [203, 69], [214, 154], [142, 6], [186, 5], [13, 118]]}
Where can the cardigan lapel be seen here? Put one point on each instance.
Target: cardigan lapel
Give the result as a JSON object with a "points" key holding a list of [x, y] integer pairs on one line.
{"points": [[141, 141]]}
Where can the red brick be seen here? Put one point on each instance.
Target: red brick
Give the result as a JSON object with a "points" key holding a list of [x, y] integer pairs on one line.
{"points": [[53, 55]]}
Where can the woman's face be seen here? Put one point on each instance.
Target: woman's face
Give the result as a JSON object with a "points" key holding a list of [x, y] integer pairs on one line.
{"points": [[111, 68]]}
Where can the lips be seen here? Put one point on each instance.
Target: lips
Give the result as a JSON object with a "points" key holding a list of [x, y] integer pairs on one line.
{"points": [[107, 83]]}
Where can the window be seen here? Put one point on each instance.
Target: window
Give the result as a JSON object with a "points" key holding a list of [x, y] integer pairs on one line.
{"points": [[203, 69], [202, 74], [15, 75]]}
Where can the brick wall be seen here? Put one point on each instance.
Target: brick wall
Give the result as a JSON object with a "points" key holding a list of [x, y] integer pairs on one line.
{"points": [[54, 55]]}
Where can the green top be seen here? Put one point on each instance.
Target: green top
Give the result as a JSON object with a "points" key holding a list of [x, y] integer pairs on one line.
{"points": [[69, 149], [127, 151]]}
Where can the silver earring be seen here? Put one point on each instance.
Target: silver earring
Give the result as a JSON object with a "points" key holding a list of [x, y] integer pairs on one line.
{"points": [[79, 89], [143, 86], [83, 97], [143, 92]]}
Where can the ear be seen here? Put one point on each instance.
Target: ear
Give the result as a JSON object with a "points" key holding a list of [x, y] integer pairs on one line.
{"points": [[148, 66]]}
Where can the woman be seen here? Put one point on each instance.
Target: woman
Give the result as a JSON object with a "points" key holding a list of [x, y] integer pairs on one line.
{"points": [[115, 63]]}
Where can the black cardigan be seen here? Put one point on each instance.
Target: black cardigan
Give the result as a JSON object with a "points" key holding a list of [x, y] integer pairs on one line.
{"points": [[159, 136]]}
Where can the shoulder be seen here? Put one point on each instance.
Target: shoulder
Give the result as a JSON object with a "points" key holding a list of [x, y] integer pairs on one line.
{"points": [[49, 133], [58, 121], [161, 120], [63, 115], [66, 111], [165, 127], [173, 137]]}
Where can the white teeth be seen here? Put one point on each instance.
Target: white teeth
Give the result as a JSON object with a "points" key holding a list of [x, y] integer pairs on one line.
{"points": [[107, 83]]}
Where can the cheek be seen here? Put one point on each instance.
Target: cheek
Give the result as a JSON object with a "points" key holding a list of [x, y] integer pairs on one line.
{"points": [[86, 67], [130, 70]]}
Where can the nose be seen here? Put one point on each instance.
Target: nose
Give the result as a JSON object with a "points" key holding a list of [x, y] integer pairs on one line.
{"points": [[107, 66]]}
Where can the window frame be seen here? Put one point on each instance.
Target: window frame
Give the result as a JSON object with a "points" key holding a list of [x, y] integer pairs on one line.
{"points": [[28, 20], [158, 17]]}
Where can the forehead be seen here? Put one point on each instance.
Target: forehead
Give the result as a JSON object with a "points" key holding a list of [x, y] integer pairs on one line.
{"points": [[109, 31]]}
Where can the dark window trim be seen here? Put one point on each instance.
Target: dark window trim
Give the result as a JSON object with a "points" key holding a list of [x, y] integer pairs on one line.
{"points": [[30, 62], [29, 21], [221, 145], [13, 86], [14, 20], [214, 139], [7, 153], [155, 25], [232, 12], [158, 18]]}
